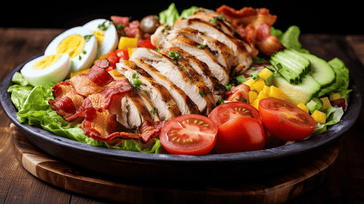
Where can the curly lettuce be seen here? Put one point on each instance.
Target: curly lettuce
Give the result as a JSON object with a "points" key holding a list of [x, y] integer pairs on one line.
{"points": [[32, 105]]}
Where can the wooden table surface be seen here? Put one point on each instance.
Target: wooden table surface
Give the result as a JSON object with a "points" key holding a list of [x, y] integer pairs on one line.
{"points": [[344, 184]]}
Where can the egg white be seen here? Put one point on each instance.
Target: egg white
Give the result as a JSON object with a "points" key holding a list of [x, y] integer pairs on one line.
{"points": [[85, 59], [50, 75], [110, 36]]}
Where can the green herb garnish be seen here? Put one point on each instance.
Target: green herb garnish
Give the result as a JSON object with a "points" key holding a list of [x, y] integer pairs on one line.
{"points": [[135, 82], [88, 37], [103, 26], [154, 111], [201, 46], [174, 55]]}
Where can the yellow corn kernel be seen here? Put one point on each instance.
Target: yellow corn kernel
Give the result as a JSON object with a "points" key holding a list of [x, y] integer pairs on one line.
{"points": [[258, 85], [265, 74], [116, 74], [319, 116], [326, 103], [334, 96], [277, 93], [75, 73], [127, 42], [266, 90], [303, 107], [249, 82], [252, 96]]}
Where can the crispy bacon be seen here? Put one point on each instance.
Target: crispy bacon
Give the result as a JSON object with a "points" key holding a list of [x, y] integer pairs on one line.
{"points": [[254, 27]]}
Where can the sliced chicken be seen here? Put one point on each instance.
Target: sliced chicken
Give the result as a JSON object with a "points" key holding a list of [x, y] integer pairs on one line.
{"points": [[190, 84], [134, 112], [184, 103], [198, 68], [220, 51], [239, 48], [158, 94], [216, 19], [203, 54], [149, 105]]}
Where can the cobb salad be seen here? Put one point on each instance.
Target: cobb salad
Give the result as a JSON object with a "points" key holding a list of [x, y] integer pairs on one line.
{"points": [[205, 81]]}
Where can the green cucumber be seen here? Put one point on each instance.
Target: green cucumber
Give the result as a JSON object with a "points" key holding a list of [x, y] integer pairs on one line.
{"points": [[294, 61], [322, 72], [314, 104]]}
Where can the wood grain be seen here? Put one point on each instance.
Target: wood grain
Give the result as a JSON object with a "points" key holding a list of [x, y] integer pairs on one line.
{"points": [[275, 189]]}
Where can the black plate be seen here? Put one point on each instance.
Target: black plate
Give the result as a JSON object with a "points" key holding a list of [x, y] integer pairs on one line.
{"points": [[134, 165]]}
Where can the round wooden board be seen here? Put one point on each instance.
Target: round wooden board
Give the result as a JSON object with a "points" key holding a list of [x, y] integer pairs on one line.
{"points": [[274, 189]]}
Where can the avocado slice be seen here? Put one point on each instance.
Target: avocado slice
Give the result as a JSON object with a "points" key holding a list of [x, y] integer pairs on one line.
{"points": [[302, 92]]}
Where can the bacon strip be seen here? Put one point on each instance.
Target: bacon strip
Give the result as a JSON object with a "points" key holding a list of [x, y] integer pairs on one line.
{"points": [[254, 26]]}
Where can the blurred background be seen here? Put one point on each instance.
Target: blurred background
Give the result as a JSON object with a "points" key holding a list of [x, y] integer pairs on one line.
{"points": [[335, 17]]}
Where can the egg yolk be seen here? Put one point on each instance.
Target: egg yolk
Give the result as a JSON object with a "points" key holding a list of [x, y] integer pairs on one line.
{"points": [[46, 62], [99, 34], [73, 45]]}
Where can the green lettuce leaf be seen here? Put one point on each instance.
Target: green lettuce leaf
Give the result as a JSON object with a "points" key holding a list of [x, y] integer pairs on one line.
{"points": [[32, 105], [342, 79], [169, 15], [333, 116]]}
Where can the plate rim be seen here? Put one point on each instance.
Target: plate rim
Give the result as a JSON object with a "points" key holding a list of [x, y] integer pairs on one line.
{"points": [[314, 142]]}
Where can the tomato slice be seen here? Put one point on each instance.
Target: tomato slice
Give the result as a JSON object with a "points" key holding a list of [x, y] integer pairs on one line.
{"points": [[285, 120], [238, 93], [240, 128], [241, 135], [228, 112], [146, 44], [122, 53], [189, 134]]}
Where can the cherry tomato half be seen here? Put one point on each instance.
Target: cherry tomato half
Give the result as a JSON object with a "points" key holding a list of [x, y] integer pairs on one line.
{"points": [[285, 120], [232, 110], [240, 128], [189, 134]]}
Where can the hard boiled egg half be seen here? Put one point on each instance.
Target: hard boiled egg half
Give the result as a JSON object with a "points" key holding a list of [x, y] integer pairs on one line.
{"points": [[81, 45], [106, 35], [47, 70]]}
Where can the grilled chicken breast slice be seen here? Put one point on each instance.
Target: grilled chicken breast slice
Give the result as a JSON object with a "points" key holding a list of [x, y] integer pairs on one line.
{"points": [[190, 84], [184, 103], [220, 51], [199, 68], [203, 54], [158, 94], [134, 112], [244, 59]]}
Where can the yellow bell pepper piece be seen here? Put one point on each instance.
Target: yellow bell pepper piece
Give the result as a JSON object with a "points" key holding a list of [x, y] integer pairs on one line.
{"points": [[262, 95], [334, 96], [265, 74], [252, 96], [303, 107], [258, 85], [127, 42], [249, 82], [326, 103], [277, 93], [319, 116], [255, 103], [266, 90], [130, 51]]}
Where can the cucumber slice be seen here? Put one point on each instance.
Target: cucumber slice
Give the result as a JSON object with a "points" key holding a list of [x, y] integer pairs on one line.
{"points": [[322, 72]]}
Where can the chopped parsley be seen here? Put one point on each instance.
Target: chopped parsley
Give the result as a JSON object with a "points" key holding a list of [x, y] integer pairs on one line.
{"points": [[201, 46], [154, 111], [201, 94], [103, 26], [174, 55], [88, 37], [213, 21], [135, 82]]}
